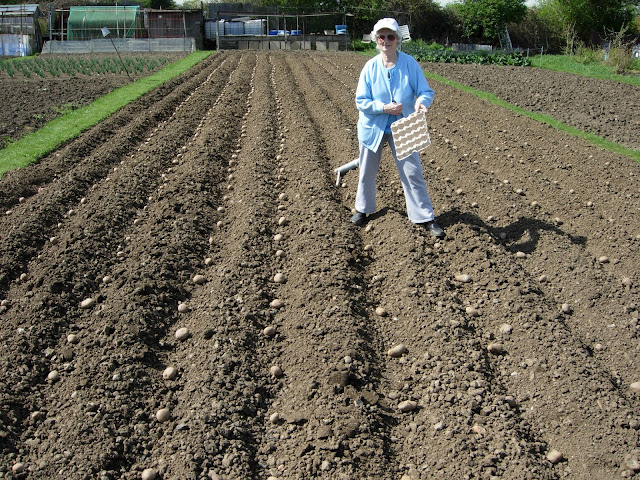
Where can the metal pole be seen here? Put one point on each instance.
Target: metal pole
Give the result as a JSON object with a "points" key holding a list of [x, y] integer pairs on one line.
{"points": [[106, 33], [123, 65]]}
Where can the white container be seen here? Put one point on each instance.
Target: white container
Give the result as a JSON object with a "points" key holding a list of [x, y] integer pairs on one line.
{"points": [[210, 27], [255, 27], [234, 28]]}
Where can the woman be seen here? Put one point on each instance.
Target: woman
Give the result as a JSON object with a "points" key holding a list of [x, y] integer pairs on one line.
{"points": [[391, 86]]}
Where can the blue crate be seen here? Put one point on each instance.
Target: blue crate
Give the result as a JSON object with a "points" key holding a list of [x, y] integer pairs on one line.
{"points": [[341, 29]]}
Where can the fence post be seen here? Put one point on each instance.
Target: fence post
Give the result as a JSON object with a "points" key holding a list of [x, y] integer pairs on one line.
{"points": [[541, 49]]}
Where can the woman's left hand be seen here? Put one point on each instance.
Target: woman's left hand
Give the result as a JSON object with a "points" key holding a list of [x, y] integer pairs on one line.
{"points": [[420, 108]]}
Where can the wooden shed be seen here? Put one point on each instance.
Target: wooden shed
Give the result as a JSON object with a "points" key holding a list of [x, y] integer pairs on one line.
{"points": [[174, 24]]}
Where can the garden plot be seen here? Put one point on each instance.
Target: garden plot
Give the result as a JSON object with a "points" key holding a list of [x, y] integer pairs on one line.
{"points": [[605, 108], [183, 294], [39, 89]]}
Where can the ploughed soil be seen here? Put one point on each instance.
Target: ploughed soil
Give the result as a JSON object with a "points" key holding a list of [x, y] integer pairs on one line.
{"points": [[604, 108], [210, 205], [30, 102]]}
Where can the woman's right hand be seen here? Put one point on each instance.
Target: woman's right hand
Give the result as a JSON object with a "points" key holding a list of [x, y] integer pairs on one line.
{"points": [[392, 108]]}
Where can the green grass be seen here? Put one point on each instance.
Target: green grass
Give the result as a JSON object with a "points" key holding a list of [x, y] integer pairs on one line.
{"points": [[34, 146], [579, 66], [595, 139]]}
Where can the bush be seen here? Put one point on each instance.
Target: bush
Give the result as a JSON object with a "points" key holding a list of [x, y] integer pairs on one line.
{"points": [[424, 54], [620, 57], [360, 46]]}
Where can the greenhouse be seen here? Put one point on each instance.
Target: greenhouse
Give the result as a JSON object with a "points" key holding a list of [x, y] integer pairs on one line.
{"points": [[85, 23]]}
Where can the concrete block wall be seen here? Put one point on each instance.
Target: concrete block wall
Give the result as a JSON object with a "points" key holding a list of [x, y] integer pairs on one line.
{"points": [[124, 45]]}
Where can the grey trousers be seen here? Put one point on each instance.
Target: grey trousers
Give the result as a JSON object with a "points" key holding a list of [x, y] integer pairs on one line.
{"points": [[419, 207]]}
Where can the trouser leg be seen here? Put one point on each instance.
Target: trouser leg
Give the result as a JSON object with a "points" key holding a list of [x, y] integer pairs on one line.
{"points": [[419, 207], [368, 170]]}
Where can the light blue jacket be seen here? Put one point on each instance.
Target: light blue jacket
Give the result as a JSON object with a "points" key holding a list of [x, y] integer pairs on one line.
{"points": [[373, 92]]}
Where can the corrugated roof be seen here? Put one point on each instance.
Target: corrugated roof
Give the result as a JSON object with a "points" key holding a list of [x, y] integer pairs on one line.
{"points": [[19, 9]]}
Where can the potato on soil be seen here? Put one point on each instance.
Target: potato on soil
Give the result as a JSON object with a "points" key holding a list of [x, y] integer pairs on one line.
{"points": [[149, 474], [182, 334], [554, 456], [275, 417], [170, 373], [397, 351], [87, 303], [276, 303], [163, 415], [269, 331], [407, 406], [472, 311]]}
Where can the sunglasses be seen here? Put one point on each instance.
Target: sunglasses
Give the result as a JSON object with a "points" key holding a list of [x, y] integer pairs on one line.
{"points": [[391, 37]]}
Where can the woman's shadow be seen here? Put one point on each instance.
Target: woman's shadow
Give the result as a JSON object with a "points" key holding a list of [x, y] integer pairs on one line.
{"points": [[523, 234]]}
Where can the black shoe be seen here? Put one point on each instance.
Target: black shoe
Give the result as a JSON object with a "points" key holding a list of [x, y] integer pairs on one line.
{"points": [[359, 219], [434, 229]]}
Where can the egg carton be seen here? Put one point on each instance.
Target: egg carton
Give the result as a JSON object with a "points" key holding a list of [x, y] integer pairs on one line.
{"points": [[410, 134]]}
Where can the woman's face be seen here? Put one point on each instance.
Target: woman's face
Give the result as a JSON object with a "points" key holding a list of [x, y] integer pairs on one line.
{"points": [[387, 40]]}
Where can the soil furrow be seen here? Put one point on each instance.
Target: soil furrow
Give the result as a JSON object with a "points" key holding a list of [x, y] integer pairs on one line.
{"points": [[328, 429], [93, 255], [231, 177], [198, 438], [589, 104], [52, 205], [477, 391], [508, 200], [159, 102]]}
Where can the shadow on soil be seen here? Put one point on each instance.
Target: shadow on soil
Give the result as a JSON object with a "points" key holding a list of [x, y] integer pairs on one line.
{"points": [[523, 234]]}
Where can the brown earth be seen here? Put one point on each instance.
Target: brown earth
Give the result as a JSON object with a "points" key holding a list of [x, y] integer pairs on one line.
{"points": [[32, 102], [200, 177], [604, 108]]}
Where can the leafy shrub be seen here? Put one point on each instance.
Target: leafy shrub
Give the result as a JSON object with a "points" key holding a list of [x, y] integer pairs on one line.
{"points": [[422, 54], [360, 46]]}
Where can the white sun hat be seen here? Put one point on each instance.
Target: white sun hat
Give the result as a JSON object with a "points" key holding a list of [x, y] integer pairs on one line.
{"points": [[389, 23]]}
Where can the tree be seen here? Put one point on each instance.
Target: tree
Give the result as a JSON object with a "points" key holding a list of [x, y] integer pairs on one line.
{"points": [[163, 4], [589, 20], [489, 18], [191, 4], [534, 31]]}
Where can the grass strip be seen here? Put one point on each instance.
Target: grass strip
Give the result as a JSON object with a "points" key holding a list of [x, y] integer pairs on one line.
{"points": [[540, 117], [569, 64], [34, 146]]}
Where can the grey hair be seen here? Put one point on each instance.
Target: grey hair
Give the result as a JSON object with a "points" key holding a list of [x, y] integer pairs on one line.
{"points": [[398, 37]]}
